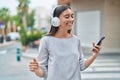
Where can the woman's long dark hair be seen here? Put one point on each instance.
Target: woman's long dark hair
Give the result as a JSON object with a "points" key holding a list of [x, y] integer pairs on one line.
{"points": [[57, 11]]}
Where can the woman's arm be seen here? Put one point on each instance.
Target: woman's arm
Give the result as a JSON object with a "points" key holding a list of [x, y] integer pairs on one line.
{"points": [[39, 65]]}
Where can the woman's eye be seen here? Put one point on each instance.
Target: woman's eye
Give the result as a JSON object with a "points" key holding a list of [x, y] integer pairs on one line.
{"points": [[66, 16], [72, 16]]}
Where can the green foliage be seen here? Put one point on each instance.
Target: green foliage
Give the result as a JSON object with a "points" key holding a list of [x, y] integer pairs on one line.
{"points": [[34, 35], [17, 20], [30, 18], [4, 15], [30, 36], [22, 10], [23, 37], [23, 6]]}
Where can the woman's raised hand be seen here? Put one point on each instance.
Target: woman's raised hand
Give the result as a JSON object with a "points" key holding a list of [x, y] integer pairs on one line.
{"points": [[33, 65]]}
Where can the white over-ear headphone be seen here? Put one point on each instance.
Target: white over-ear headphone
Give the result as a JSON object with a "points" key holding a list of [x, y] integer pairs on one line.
{"points": [[55, 21]]}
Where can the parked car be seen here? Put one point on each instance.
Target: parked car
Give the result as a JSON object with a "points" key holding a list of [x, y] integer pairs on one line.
{"points": [[1, 38], [13, 36]]}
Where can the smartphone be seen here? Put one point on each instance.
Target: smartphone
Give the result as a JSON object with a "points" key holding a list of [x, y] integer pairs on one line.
{"points": [[101, 40]]}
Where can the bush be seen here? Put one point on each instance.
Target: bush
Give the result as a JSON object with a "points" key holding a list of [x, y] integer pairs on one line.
{"points": [[30, 36], [34, 35]]}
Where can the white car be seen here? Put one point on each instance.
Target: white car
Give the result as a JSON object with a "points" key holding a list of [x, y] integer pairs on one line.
{"points": [[14, 35]]}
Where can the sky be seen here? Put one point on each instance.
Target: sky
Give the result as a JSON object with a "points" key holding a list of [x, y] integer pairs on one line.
{"points": [[12, 4]]}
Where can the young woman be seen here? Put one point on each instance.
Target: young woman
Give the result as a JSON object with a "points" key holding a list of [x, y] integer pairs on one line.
{"points": [[60, 53]]}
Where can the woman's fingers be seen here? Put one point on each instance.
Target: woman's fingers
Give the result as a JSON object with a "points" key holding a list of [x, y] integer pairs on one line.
{"points": [[96, 48], [93, 44], [34, 60], [33, 68], [33, 65]]}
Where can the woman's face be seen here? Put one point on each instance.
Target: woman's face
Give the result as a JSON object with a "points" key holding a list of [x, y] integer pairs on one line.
{"points": [[66, 19]]}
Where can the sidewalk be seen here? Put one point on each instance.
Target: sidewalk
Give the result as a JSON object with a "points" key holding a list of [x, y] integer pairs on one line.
{"points": [[29, 53], [5, 44]]}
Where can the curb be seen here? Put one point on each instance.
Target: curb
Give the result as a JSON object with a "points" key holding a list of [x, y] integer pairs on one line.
{"points": [[5, 44]]}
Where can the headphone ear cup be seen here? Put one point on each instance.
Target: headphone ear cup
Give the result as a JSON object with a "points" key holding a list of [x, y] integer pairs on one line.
{"points": [[55, 21]]}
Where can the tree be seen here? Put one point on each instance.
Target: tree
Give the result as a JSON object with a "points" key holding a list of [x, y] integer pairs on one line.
{"points": [[30, 18], [23, 11], [4, 15]]}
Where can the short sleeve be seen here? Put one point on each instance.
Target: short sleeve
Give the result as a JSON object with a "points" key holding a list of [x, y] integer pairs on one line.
{"points": [[81, 58], [43, 56]]}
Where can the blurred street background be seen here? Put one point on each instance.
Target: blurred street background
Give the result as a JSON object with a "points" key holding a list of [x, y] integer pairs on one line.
{"points": [[24, 22]]}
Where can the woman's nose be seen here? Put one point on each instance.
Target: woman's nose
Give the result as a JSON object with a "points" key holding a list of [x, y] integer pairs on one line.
{"points": [[71, 19]]}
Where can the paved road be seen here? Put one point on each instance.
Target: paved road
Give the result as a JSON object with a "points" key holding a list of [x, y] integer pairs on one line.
{"points": [[106, 67], [11, 69]]}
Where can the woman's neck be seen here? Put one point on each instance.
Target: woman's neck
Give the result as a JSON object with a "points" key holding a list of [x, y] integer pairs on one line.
{"points": [[62, 34]]}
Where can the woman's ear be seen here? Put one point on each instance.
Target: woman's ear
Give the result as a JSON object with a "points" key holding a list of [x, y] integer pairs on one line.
{"points": [[55, 22]]}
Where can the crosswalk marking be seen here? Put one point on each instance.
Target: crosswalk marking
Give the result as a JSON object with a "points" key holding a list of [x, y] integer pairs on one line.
{"points": [[105, 67], [3, 52], [102, 69], [106, 64], [100, 75]]}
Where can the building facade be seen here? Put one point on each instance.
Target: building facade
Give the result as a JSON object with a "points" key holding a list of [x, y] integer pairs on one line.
{"points": [[98, 18]]}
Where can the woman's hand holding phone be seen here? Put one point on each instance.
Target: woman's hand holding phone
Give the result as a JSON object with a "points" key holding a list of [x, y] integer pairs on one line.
{"points": [[96, 48]]}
